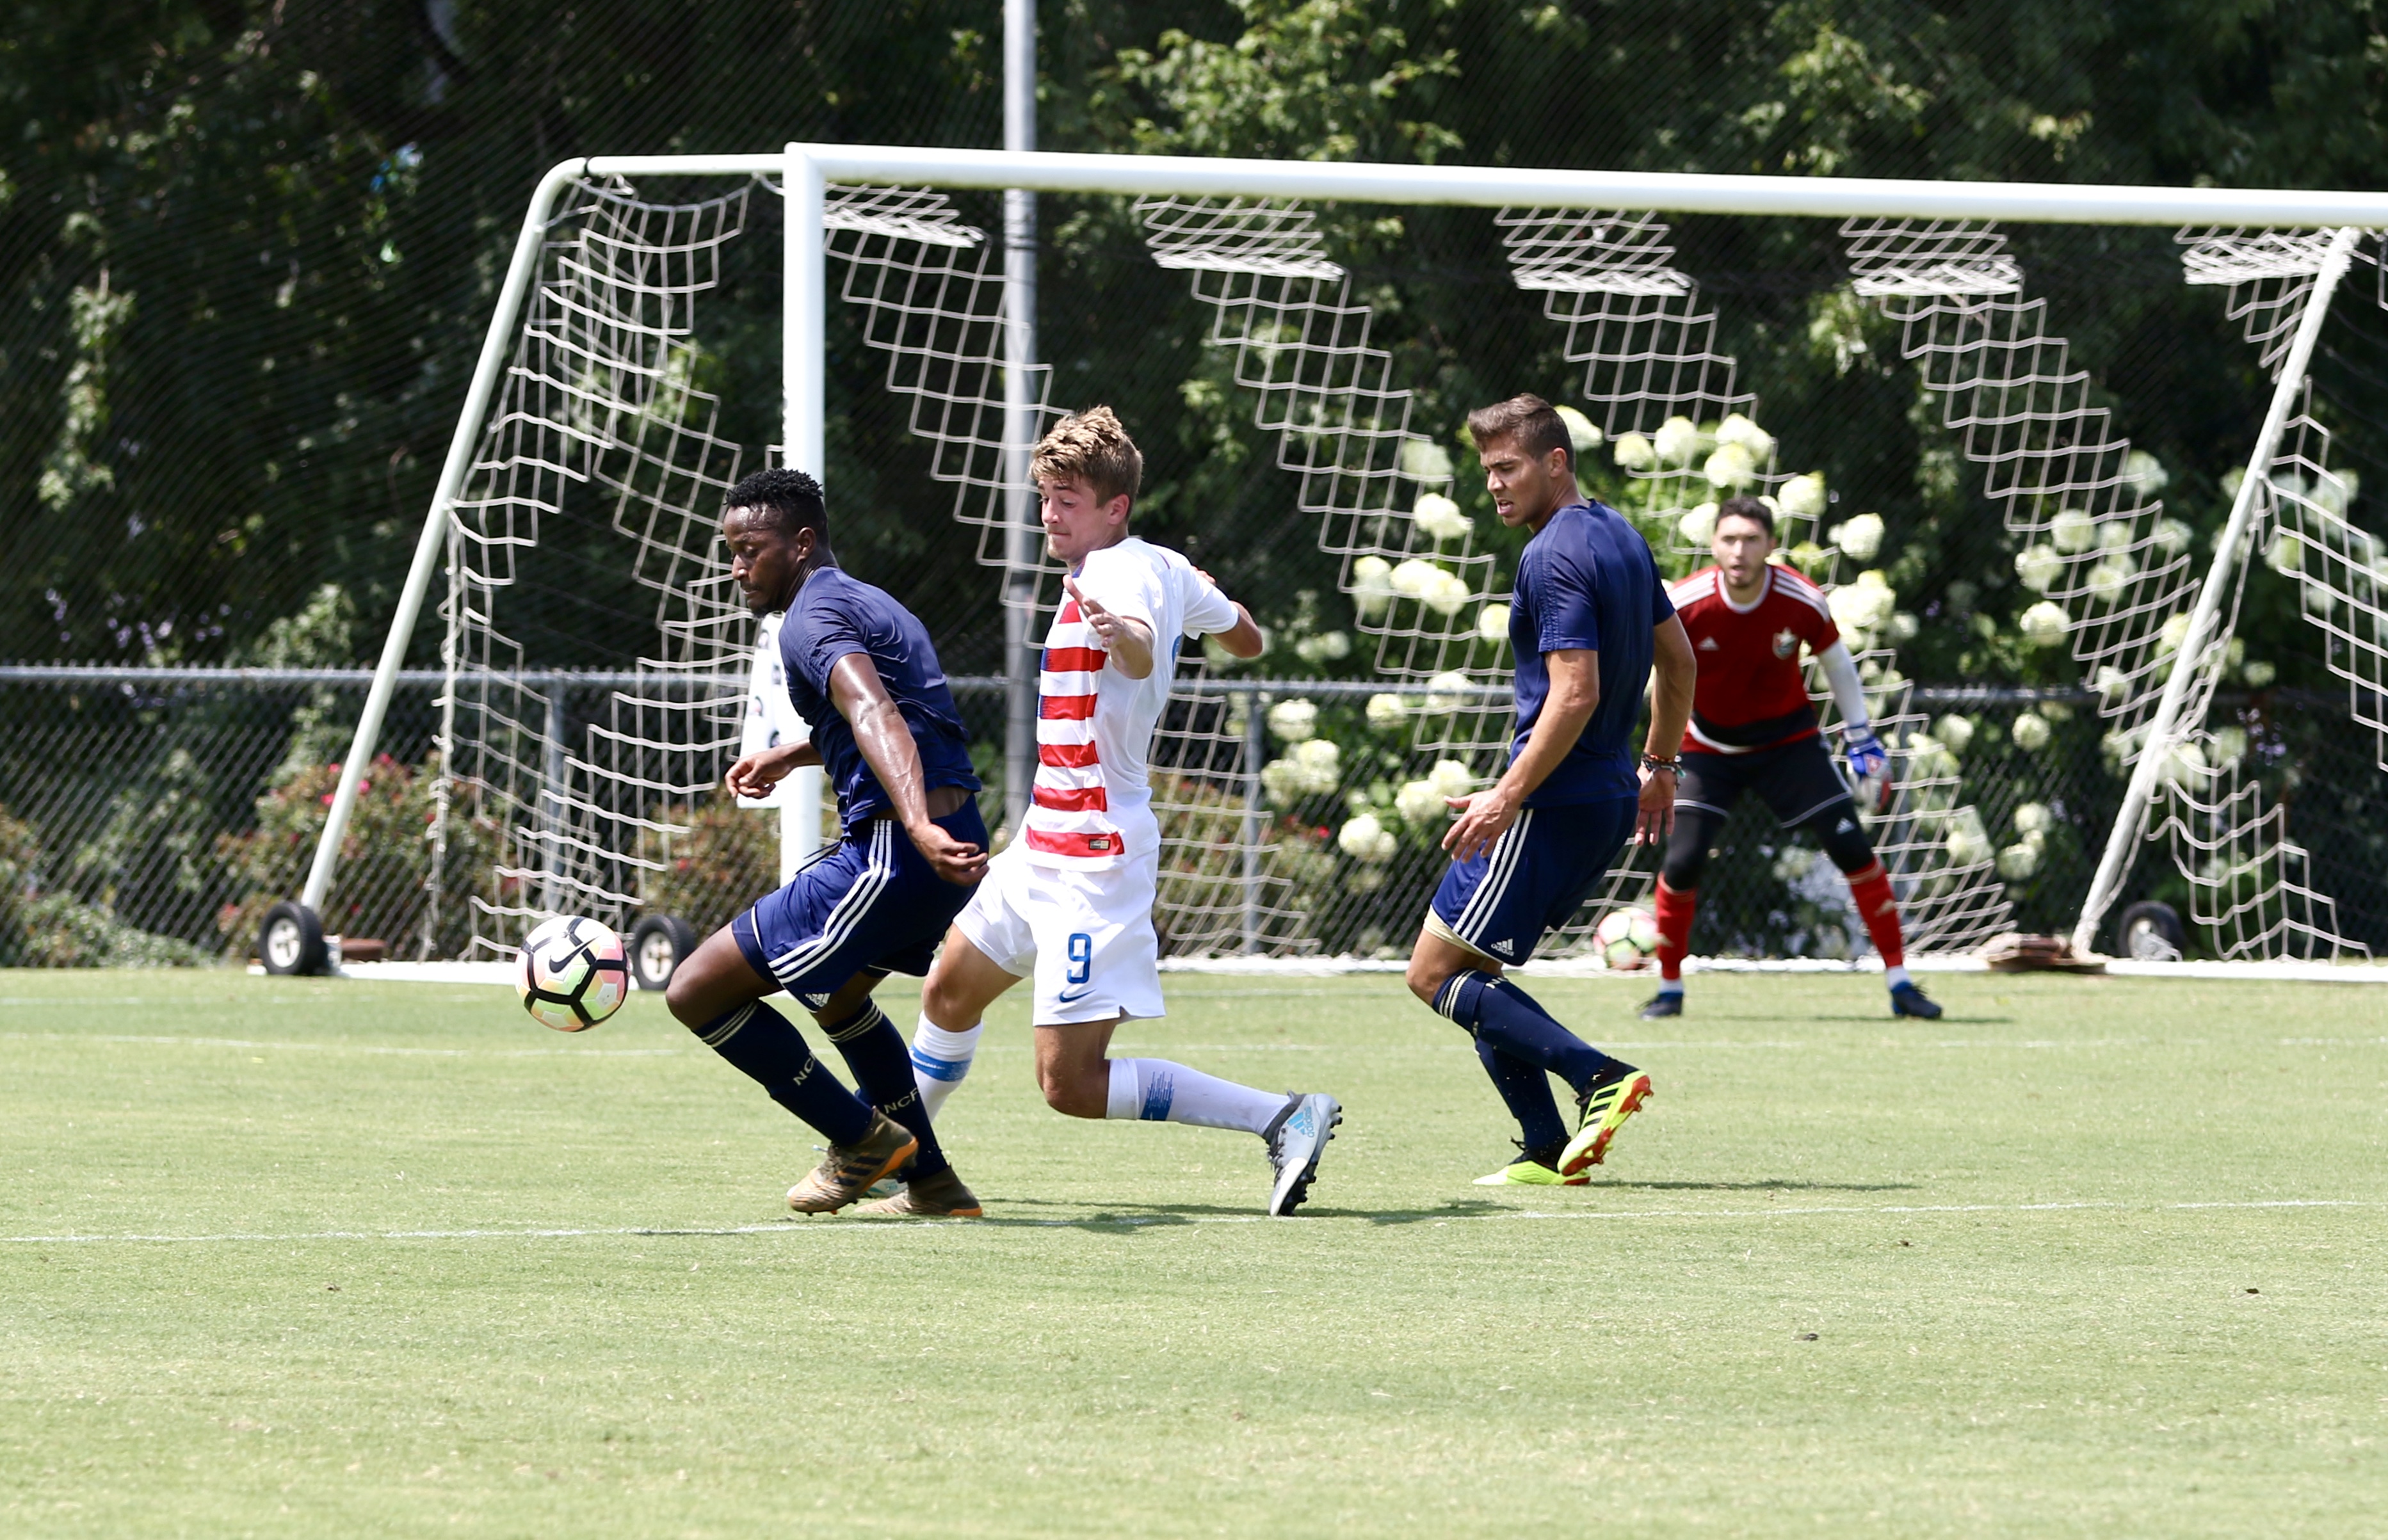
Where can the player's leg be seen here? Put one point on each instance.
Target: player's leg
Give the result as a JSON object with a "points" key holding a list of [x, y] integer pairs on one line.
{"points": [[1705, 792], [1523, 1086], [1079, 1077], [967, 977], [718, 994], [881, 1065], [1843, 836], [1098, 963], [1805, 790], [1677, 903], [1495, 908]]}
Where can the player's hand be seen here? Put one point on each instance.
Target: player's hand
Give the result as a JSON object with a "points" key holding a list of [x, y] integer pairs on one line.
{"points": [[1868, 758], [1870, 763], [1654, 812], [1484, 816], [957, 861], [1107, 626], [756, 773]]}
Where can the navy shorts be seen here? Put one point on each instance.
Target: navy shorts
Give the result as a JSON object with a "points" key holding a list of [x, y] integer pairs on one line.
{"points": [[1533, 878], [870, 904]]}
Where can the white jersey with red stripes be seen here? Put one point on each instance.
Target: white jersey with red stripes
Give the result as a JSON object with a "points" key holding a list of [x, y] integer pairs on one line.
{"points": [[1091, 805]]}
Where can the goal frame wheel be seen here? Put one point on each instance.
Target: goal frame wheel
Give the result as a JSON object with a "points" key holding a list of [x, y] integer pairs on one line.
{"points": [[659, 943], [290, 941], [2151, 921]]}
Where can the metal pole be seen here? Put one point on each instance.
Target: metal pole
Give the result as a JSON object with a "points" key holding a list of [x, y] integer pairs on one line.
{"points": [[1255, 746], [495, 346], [550, 799], [804, 363], [1021, 523], [2163, 729], [1529, 187]]}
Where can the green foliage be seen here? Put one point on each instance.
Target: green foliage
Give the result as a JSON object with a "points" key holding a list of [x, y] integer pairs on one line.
{"points": [[42, 926], [1307, 80], [248, 249], [713, 872], [384, 886]]}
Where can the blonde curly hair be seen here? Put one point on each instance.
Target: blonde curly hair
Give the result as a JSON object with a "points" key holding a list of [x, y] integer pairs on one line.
{"points": [[1091, 447]]}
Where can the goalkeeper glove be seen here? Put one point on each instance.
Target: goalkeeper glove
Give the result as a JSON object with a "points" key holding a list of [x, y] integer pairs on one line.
{"points": [[1868, 759]]}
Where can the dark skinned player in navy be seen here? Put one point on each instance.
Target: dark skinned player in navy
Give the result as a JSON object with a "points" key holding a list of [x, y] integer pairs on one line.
{"points": [[862, 670]]}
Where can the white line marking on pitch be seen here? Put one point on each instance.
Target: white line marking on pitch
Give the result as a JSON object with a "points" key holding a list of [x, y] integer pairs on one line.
{"points": [[796, 1227], [346, 1047]]}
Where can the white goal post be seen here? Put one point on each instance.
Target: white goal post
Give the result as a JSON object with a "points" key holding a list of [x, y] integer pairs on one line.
{"points": [[805, 171]]}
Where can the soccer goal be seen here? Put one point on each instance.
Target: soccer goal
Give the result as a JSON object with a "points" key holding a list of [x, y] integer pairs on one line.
{"points": [[587, 399]]}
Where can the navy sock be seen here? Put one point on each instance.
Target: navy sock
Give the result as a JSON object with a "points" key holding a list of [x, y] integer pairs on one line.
{"points": [[761, 1042], [1500, 1013], [1526, 1090], [882, 1063]]}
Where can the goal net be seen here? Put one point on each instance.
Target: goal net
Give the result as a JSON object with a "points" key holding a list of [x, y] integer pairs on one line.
{"points": [[1299, 815]]}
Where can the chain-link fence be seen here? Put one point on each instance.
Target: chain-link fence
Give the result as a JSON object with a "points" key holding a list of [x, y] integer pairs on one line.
{"points": [[151, 816]]}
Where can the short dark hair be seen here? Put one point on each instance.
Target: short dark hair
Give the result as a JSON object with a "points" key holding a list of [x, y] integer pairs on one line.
{"points": [[1752, 509], [1528, 422], [783, 500]]}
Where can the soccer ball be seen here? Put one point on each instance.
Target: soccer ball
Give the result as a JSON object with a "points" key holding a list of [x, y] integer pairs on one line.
{"points": [[574, 974], [1627, 937]]}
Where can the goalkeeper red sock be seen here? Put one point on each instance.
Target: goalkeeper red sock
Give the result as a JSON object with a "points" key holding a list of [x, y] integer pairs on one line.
{"points": [[1871, 887], [1675, 911]]}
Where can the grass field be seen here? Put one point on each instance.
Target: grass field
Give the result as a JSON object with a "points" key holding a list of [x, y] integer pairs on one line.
{"points": [[312, 1258]]}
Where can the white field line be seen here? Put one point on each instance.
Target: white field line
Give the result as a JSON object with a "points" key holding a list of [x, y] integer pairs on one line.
{"points": [[1130, 1221], [1154, 1044], [1571, 968], [247, 1045]]}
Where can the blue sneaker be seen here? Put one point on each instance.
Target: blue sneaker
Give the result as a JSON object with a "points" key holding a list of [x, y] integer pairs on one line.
{"points": [[1908, 1000]]}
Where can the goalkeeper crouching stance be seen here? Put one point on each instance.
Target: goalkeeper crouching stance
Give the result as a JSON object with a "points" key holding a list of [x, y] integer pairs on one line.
{"points": [[1752, 729]]}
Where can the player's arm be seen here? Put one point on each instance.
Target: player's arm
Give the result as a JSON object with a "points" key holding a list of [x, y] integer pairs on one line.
{"points": [[885, 739], [1868, 758], [1574, 696], [1243, 639], [1674, 668], [756, 773], [1126, 639]]}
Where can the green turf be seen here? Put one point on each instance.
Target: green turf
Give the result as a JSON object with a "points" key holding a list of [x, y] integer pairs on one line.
{"points": [[2088, 1257]]}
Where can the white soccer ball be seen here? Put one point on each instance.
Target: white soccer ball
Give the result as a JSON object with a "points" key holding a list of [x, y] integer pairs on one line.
{"points": [[574, 974], [1627, 938]]}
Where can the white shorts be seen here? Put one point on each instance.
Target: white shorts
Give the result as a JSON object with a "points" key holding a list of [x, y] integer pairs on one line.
{"points": [[1085, 936]]}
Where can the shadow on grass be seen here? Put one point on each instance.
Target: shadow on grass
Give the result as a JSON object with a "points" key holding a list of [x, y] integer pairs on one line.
{"points": [[1868, 1019], [1755, 1187], [1045, 1213]]}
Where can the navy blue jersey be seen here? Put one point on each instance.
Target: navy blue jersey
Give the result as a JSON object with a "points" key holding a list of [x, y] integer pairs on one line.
{"points": [[1587, 581], [834, 615]]}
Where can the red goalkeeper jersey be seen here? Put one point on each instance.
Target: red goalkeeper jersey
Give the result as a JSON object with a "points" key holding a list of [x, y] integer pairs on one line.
{"points": [[1751, 694]]}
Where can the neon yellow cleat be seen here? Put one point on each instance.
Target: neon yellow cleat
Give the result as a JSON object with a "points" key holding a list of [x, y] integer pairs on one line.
{"points": [[1604, 1109], [1530, 1173]]}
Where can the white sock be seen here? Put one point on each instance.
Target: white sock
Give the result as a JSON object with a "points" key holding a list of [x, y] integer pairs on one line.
{"points": [[1157, 1091], [940, 1059], [1671, 986], [1894, 977]]}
